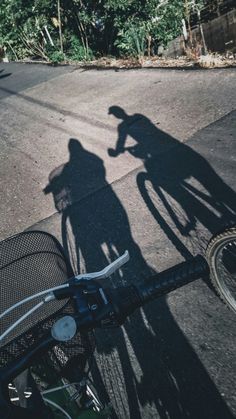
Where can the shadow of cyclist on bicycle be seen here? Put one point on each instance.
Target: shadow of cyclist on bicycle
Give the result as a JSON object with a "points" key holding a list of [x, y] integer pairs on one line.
{"points": [[137, 362], [99, 223], [74, 186], [178, 174]]}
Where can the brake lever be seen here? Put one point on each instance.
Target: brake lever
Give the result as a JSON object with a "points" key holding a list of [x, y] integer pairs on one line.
{"points": [[107, 271]]}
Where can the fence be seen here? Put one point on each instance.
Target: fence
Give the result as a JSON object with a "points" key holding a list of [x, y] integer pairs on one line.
{"points": [[219, 33]]}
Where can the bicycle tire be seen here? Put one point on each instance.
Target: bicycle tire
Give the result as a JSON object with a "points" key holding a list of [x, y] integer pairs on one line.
{"points": [[221, 257]]}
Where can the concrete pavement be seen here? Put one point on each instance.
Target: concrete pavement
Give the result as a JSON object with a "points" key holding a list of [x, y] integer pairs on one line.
{"points": [[162, 199], [176, 357], [36, 123]]}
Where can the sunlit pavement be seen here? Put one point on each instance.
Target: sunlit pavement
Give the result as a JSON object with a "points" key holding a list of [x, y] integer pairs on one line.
{"points": [[162, 200]]}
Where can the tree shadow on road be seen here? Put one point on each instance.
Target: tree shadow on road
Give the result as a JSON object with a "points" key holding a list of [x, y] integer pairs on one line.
{"points": [[149, 361], [2, 76]]}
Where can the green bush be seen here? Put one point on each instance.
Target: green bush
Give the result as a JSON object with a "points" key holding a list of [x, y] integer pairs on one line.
{"points": [[77, 52], [132, 41], [56, 57]]}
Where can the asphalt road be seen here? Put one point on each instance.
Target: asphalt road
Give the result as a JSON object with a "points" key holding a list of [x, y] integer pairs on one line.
{"points": [[161, 198]]}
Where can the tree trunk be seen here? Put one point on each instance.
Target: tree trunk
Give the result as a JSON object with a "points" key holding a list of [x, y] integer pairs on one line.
{"points": [[59, 24]]}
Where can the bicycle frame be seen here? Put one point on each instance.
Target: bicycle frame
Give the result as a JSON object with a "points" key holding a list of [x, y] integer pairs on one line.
{"points": [[64, 400]]}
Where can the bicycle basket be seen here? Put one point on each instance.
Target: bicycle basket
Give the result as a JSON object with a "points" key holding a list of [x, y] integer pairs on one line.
{"points": [[31, 262]]}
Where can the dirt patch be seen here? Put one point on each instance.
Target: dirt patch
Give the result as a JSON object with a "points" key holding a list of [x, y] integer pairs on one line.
{"points": [[208, 61], [205, 61]]}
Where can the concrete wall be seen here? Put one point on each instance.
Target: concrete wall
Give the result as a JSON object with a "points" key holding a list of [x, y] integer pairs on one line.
{"points": [[175, 48]]}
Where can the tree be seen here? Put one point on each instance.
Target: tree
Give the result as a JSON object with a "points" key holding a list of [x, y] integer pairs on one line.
{"points": [[88, 27]]}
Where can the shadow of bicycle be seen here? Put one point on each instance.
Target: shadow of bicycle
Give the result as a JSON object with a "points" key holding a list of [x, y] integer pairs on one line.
{"points": [[147, 368]]}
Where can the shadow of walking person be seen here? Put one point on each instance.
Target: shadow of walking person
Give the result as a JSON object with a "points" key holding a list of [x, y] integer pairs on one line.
{"points": [[136, 362]]}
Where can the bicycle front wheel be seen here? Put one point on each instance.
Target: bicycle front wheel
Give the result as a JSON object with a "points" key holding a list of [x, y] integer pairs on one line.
{"points": [[221, 256]]}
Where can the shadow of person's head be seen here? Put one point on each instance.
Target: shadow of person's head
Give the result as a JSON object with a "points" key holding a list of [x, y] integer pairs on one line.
{"points": [[118, 112], [75, 148]]}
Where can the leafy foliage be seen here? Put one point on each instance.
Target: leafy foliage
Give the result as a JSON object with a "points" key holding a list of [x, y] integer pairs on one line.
{"points": [[55, 56], [77, 52], [132, 40], [89, 28]]}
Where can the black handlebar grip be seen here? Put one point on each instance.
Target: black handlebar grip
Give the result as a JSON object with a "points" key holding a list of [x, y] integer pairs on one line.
{"points": [[124, 301], [173, 278]]}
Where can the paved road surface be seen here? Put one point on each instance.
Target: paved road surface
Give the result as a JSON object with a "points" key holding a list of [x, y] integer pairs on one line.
{"points": [[162, 199]]}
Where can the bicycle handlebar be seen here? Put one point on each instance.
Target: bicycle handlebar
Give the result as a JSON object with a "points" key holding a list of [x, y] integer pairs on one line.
{"points": [[127, 299], [98, 307], [173, 278]]}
